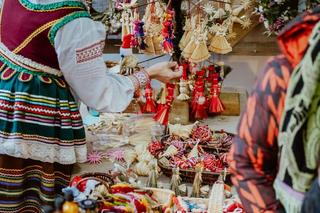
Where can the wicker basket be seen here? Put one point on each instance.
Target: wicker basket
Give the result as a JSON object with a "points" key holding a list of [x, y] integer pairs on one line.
{"points": [[104, 178], [213, 150], [187, 175]]}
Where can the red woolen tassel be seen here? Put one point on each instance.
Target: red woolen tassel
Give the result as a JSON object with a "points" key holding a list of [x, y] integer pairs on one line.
{"points": [[198, 90], [216, 105], [201, 109], [162, 116], [185, 68], [150, 106]]}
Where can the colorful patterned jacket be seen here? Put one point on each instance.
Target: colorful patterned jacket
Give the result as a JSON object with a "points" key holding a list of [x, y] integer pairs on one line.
{"points": [[254, 155]]}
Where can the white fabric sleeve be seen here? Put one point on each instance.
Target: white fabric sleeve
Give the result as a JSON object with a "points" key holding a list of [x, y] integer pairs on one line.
{"points": [[79, 47]]}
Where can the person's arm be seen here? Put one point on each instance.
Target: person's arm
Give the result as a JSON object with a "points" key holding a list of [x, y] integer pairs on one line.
{"points": [[79, 46], [254, 154]]}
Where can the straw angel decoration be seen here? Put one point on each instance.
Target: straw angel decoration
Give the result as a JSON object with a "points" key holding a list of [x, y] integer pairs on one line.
{"points": [[187, 34], [234, 18], [219, 43], [200, 52]]}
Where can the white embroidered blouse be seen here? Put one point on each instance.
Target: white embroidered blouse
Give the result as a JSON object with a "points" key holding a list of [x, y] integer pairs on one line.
{"points": [[79, 46]]}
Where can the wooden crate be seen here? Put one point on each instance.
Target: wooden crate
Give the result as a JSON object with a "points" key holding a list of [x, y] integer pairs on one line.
{"points": [[231, 102]]}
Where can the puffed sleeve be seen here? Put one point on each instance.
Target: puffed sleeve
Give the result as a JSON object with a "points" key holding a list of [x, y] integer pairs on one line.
{"points": [[79, 45]]}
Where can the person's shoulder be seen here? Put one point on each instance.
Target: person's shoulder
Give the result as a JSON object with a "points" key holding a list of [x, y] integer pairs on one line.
{"points": [[275, 75]]}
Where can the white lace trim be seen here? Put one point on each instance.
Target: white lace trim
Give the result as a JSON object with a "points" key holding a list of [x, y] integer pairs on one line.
{"points": [[19, 59], [43, 152]]}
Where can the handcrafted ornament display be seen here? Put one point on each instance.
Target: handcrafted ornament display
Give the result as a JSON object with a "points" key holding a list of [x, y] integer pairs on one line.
{"points": [[168, 32], [155, 148], [216, 199], [150, 106], [200, 53], [183, 84], [95, 157], [116, 155], [125, 21], [197, 182], [153, 175], [162, 116], [182, 131], [138, 32], [199, 101], [175, 181], [161, 100], [202, 133], [153, 27], [109, 17], [128, 62], [219, 43], [216, 105], [120, 197], [214, 28], [187, 34]]}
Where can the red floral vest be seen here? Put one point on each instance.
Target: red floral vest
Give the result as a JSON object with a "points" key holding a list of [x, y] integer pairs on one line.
{"points": [[29, 29]]}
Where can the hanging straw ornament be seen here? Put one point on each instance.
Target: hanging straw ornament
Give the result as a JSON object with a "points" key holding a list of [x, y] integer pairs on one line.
{"points": [[185, 39], [216, 105], [150, 106], [219, 43], [216, 199], [162, 97], [162, 116], [153, 175], [167, 32], [200, 52], [138, 42], [199, 101], [201, 107], [194, 153], [170, 152], [197, 182], [125, 21], [188, 50], [175, 181], [153, 27], [183, 84]]}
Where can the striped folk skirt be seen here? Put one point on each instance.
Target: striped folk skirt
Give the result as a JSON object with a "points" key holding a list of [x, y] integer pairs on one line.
{"points": [[26, 185]]}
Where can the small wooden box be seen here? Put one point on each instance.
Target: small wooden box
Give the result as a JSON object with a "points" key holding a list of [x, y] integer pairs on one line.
{"points": [[179, 113], [231, 102]]}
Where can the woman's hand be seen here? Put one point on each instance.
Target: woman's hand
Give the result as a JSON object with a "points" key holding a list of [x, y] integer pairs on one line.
{"points": [[164, 71]]}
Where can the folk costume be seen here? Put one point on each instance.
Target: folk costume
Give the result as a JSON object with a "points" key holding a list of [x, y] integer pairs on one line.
{"points": [[50, 57], [281, 119]]}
